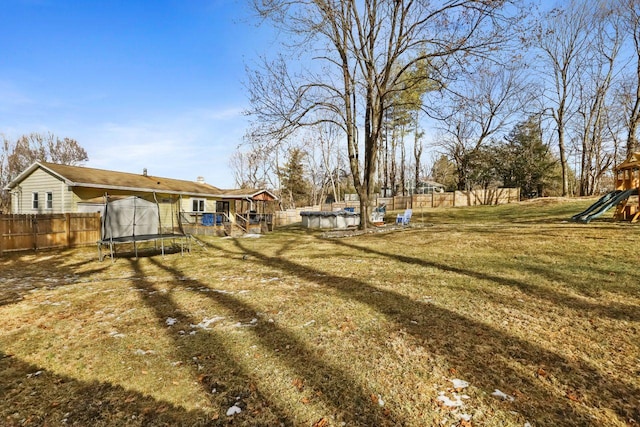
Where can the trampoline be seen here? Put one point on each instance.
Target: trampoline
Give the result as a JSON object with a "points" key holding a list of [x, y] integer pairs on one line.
{"points": [[131, 220]]}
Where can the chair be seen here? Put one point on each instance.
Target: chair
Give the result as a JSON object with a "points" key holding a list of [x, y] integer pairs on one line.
{"points": [[403, 219], [207, 219], [382, 209]]}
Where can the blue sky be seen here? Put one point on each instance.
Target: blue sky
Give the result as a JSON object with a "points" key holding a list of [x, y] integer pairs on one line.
{"points": [[139, 84]]}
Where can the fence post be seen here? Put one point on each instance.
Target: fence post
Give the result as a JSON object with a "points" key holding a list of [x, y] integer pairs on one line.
{"points": [[67, 229], [2, 232], [34, 227]]}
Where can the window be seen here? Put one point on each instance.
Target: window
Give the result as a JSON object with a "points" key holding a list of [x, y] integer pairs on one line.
{"points": [[197, 205], [222, 207], [34, 200], [49, 200]]}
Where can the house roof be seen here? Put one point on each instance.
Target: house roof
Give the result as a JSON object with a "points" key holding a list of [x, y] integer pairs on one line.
{"points": [[80, 176]]}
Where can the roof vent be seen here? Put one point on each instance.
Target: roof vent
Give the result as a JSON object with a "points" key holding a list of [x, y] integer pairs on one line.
{"points": [[200, 180], [144, 172]]}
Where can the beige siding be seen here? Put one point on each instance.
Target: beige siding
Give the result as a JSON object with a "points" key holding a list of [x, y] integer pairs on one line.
{"points": [[187, 204], [210, 207], [209, 204], [82, 194], [66, 198], [168, 213], [38, 182]]}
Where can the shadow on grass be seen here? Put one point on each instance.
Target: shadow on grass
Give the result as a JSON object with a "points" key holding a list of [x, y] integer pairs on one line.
{"points": [[32, 396], [350, 401], [145, 249], [536, 211], [44, 270], [618, 311], [217, 369], [482, 354]]}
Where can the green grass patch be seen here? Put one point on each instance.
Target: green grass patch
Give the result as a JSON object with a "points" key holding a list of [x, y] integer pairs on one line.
{"points": [[537, 319]]}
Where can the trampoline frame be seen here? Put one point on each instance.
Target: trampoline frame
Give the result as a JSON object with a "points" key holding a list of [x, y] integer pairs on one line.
{"points": [[181, 239]]}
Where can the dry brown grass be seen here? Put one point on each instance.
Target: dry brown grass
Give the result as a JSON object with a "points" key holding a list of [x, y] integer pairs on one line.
{"points": [[370, 330]]}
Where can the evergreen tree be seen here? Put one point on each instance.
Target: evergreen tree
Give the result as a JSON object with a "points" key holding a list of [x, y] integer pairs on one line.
{"points": [[444, 172], [295, 188], [525, 161]]}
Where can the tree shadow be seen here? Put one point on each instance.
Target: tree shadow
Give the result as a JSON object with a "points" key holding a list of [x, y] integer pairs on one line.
{"points": [[32, 396], [618, 311], [23, 273], [483, 354], [601, 280], [580, 261], [217, 370], [350, 400]]}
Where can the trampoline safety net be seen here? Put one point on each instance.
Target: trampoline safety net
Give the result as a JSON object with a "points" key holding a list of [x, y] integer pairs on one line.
{"points": [[134, 219], [132, 216]]}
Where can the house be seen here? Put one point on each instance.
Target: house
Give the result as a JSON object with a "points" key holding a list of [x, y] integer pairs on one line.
{"points": [[423, 187], [53, 188]]}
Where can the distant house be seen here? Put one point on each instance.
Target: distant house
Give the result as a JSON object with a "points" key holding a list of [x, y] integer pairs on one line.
{"points": [[54, 188], [423, 187], [426, 187]]}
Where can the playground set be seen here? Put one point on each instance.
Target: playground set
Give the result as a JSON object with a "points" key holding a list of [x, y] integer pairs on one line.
{"points": [[627, 179]]}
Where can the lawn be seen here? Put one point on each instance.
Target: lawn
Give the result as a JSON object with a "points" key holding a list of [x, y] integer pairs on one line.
{"points": [[482, 316]]}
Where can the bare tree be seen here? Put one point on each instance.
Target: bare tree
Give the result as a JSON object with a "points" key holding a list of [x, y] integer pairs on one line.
{"points": [[17, 156], [630, 15], [363, 52], [487, 103], [332, 158], [5, 175], [254, 168], [593, 91], [418, 148], [403, 118], [620, 114], [563, 40]]}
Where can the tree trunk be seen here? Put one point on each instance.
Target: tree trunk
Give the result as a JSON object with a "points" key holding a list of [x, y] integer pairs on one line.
{"points": [[403, 165], [564, 165], [417, 152], [393, 173], [632, 141], [634, 116]]}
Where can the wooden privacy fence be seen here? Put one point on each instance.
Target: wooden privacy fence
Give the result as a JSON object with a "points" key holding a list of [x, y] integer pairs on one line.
{"points": [[47, 231], [492, 196]]}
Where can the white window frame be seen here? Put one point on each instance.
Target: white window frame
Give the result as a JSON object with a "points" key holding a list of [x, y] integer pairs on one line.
{"points": [[200, 207], [49, 200], [34, 201]]}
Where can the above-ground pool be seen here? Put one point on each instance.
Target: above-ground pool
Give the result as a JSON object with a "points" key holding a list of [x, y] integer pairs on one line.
{"points": [[330, 220]]}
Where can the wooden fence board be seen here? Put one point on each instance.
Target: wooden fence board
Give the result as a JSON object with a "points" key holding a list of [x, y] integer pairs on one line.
{"points": [[47, 231], [443, 200], [494, 196]]}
